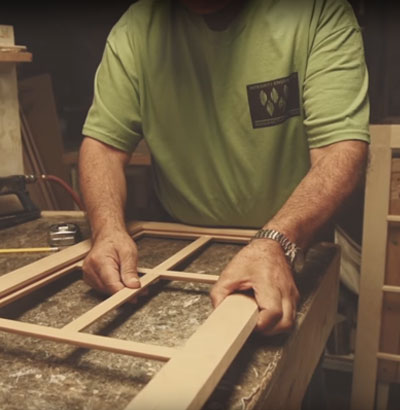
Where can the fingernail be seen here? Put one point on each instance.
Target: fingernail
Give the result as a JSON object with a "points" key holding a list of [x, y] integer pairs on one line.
{"points": [[132, 282]]}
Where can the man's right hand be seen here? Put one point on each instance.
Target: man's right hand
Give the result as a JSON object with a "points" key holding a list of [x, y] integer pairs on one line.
{"points": [[111, 264]]}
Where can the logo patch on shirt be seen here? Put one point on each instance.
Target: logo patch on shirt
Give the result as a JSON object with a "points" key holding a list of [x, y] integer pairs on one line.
{"points": [[273, 102]]}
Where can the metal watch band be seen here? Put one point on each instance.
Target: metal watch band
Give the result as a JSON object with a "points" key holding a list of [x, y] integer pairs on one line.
{"points": [[293, 253], [276, 236]]}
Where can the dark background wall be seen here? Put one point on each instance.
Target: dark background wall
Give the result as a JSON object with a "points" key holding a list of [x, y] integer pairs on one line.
{"points": [[67, 41]]}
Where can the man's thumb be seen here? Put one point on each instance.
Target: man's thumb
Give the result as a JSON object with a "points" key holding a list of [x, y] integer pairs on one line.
{"points": [[218, 294], [128, 271]]}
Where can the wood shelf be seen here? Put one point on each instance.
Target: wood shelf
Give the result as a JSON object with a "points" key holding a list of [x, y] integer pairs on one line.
{"points": [[15, 57]]}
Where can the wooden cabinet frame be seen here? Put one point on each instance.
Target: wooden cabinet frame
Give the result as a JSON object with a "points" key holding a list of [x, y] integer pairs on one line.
{"points": [[193, 370]]}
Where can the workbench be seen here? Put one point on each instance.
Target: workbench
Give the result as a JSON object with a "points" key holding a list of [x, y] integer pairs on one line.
{"points": [[269, 373]]}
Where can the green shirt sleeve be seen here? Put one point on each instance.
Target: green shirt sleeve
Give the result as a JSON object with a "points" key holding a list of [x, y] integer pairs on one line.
{"points": [[335, 94], [114, 117]]}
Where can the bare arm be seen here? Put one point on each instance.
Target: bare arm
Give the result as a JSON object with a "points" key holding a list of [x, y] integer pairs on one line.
{"points": [[261, 266], [111, 263], [335, 172]]}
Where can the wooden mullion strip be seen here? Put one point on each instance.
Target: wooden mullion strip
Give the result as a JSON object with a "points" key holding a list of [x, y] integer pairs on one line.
{"points": [[43, 267], [109, 304], [388, 356], [86, 340], [183, 254], [393, 219], [391, 289], [37, 284], [125, 294], [189, 277], [187, 380], [184, 276]]}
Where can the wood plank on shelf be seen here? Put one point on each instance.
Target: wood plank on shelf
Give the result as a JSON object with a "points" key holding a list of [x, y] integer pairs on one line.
{"points": [[15, 57]]}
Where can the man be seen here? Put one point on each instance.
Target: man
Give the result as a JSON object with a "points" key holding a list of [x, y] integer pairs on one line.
{"points": [[256, 114]]}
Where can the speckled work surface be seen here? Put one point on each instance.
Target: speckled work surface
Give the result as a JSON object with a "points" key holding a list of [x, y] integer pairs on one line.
{"points": [[43, 375]]}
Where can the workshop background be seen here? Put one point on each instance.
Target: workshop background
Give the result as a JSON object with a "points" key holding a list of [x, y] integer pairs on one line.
{"points": [[67, 41]]}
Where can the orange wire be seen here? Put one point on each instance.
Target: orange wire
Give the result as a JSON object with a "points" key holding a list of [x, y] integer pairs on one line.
{"points": [[68, 188]]}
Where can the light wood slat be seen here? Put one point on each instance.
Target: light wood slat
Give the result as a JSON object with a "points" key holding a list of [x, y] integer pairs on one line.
{"points": [[196, 230], [388, 356], [189, 235], [21, 277], [113, 302], [86, 340], [184, 276], [391, 289], [63, 213], [43, 267], [372, 270], [38, 284], [186, 381], [183, 254], [394, 219], [395, 136], [125, 294]]}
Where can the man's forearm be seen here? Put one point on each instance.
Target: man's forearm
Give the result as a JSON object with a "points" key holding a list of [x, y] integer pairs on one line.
{"points": [[103, 185], [335, 172]]}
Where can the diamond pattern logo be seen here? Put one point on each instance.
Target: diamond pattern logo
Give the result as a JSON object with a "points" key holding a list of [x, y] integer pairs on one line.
{"points": [[273, 102]]}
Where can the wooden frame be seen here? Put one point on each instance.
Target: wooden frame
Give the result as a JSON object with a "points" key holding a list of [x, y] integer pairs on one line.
{"points": [[384, 140], [195, 369]]}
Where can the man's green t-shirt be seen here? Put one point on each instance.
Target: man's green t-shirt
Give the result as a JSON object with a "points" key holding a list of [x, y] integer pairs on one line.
{"points": [[230, 115]]}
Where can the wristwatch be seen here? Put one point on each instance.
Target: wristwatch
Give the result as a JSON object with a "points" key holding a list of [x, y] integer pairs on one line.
{"points": [[294, 254]]}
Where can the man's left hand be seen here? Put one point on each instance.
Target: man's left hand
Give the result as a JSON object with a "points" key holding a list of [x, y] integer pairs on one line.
{"points": [[261, 266]]}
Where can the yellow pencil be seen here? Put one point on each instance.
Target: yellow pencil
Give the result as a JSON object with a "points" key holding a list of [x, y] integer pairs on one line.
{"points": [[22, 250]]}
